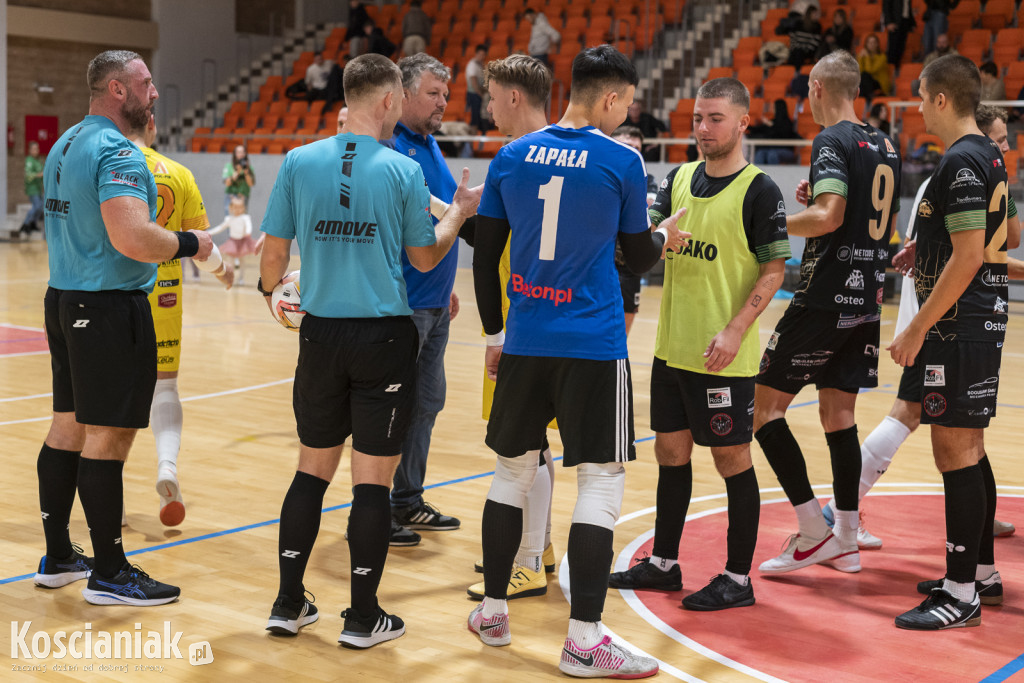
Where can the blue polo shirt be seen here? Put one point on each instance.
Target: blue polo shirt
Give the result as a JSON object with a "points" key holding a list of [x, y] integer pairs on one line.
{"points": [[91, 163], [432, 289]]}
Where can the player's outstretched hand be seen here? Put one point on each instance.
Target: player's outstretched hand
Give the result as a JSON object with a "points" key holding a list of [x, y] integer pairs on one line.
{"points": [[227, 275], [467, 199], [491, 358], [205, 245], [903, 261], [803, 192], [677, 239]]}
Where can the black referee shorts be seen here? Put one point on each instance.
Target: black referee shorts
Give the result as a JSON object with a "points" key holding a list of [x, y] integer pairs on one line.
{"points": [[103, 356]]}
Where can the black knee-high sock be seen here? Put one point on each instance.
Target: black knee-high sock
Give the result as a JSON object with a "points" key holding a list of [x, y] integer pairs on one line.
{"points": [[502, 530], [590, 559], [787, 461], [675, 486], [300, 524], [744, 516], [58, 479], [965, 516], [987, 550], [369, 530], [102, 494], [844, 450]]}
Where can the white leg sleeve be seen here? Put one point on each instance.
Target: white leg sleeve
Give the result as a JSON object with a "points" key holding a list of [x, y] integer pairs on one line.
{"points": [[878, 450], [165, 418], [599, 500], [513, 478], [535, 514], [549, 462]]}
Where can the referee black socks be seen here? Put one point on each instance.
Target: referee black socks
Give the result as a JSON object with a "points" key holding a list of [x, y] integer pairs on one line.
{"points": [[787, 461], [58, 480], [369, 533], [300, 524], [675, 487], [102, 494]]}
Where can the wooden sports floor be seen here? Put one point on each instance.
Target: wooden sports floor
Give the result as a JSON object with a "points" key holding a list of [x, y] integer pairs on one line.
{"points": [[238, 456]]}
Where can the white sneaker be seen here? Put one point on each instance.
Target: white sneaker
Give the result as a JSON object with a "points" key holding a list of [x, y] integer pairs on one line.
{"points": [[865, 539], [1002, 529], [172, 508], [494, 631], [605, 660], [826, 551]]}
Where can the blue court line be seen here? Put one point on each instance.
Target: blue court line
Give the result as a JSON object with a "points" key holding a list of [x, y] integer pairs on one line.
{"points": [[1005, 672]]}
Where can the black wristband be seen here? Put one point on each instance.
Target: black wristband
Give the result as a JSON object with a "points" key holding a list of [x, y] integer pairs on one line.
{"points": [[188, 244], [259, 287]]}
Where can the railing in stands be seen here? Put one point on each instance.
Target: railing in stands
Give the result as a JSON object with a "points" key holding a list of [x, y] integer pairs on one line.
{"points": [[209, 114]]}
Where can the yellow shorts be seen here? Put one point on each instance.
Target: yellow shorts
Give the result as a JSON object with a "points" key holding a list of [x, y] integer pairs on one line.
{"points": [[165, 302]]}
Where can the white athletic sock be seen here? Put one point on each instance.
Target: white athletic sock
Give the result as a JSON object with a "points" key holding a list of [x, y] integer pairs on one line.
{"points": [[535, 517], [845, 529], [493, 606], [812, 524], [662, 563], [984, 571], [586, 634], [878, 450], [166, 418], [964, 592], [741, 579], [550, 464]]}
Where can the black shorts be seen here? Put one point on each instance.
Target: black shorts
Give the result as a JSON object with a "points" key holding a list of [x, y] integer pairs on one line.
{"points": [[910, 384], [960, 381], [592, 400], [355, 377], [630, 285], [718, 411], [829, 349], [103, 356]]}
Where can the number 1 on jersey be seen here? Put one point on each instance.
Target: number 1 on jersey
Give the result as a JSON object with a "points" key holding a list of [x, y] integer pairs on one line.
{"points": [[551, 194]]}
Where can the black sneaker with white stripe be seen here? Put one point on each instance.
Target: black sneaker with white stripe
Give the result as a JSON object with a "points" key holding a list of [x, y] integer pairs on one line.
{"points": [[424, 516], [54, 573], [362, 632], [288, 616], [990, 590], [940, 611]]}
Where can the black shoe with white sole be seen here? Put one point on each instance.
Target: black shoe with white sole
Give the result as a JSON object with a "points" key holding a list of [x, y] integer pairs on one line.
{"points": [[990, 590], [940, 611], [424, 517], [131, 586], [288, 616], [362, 632], [54, 573]]}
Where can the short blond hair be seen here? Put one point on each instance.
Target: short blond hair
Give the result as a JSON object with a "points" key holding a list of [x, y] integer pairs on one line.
{"points": [[369, 73], [839, 73], [522, 73]]}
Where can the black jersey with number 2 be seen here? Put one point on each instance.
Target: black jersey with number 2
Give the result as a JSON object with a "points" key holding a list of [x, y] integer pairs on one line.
{"points": [[967, 192], [844, 270]]}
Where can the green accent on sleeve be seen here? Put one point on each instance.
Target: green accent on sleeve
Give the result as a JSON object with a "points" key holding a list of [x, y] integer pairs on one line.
{"points": [[965, 220], [656, 217], [830, 186], [1011, 207], [775, 250]]}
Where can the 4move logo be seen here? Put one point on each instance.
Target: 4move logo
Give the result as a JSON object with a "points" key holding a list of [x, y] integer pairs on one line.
{"points": [[89, 644]]}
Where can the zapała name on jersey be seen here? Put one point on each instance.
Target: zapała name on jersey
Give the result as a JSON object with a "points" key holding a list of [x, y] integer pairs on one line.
{"points": [[553, 156]]}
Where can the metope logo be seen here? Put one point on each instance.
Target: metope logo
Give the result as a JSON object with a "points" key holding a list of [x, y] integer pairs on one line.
{"points": [[88, 644]]}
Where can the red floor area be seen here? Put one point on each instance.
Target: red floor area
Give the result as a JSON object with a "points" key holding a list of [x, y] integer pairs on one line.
{"points": [[16, 341], [817, 624]]}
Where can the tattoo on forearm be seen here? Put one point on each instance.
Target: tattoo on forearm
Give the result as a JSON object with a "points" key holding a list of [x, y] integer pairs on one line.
{"points": [[756, 301], [768, 283]]}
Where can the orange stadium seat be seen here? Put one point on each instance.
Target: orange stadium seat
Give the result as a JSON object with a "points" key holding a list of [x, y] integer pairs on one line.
{"points": [[998, 14], [1006, 49], [742, 57], [280, 107], [750, 76], [922, 139], [310, 122], [757, 108], [975, 36], [289, 122], [719, 72], [1012, 159], [1014, 79], [271, 120], [249, 120], [299, 107], [973, 52]]}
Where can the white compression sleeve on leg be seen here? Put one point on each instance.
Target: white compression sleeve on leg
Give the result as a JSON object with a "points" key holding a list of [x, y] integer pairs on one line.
{"points": [[212, 263], [549, 462], [513, 478], [166, 418], [535, 518], [878, 450], [599, 500]]}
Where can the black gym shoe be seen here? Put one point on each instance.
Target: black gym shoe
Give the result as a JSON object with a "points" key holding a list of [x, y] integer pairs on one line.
{"points": [[939, 611], [131, 586], [54, 573], [363, 632], [288, 616], [645, 576], [400, 536], [990, 590], [424, 516], [722, 593]]}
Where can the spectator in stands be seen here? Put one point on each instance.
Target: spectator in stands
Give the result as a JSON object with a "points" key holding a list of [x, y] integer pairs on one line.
{"points": [[357, 18], [936, 22], [335, 86], [874, 69], [475, 88], [238, 177], [648, 125], [33, 190], [376, 42], [992, 86], [942, 48], [879, 117], [542, 36], [805, 39], [898, 17], [779, 128], [415, 29], [316, 78], [838, 36]]}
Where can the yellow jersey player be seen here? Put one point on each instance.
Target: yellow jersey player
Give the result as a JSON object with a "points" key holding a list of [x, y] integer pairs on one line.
{"points": [[179, 207]]}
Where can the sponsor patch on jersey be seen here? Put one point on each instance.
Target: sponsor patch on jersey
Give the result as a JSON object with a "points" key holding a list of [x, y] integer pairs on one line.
{"points": [[871, 350], [826, 154], [1000, 306], [845, 254], [888, 146], [773, 341], [925, 209], [721, 424], [935, 375], [764, 364], [167, 300], [965, 177], [124, 153], [167, 283], [934, 404], [720, 398], [855, 280]]}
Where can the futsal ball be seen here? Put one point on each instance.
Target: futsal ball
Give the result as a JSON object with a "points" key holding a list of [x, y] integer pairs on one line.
{"points": [[285, 302]]}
